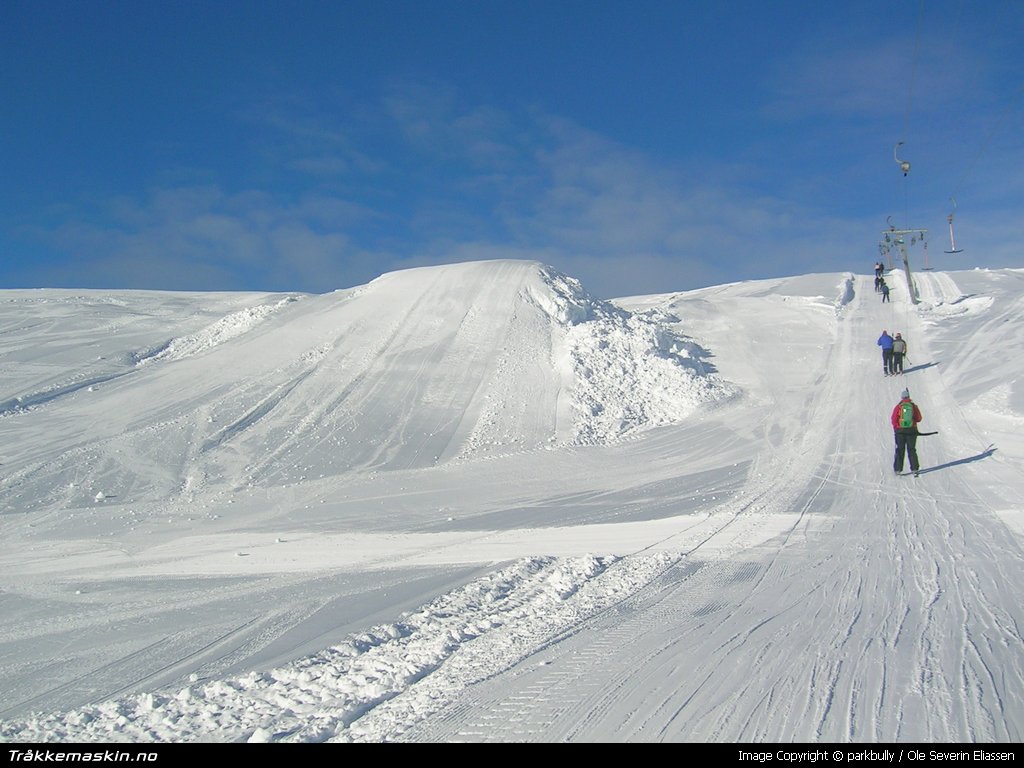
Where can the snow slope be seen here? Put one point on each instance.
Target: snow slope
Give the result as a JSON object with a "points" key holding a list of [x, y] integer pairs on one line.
{"points": [[473, 503]]}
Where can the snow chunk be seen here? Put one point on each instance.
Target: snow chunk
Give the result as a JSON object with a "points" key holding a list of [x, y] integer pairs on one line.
{"points": [[846, 291], [564, 299]]}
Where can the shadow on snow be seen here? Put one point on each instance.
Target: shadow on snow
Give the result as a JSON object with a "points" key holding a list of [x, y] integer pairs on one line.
{"points": [[983, 455], [920, 367]]}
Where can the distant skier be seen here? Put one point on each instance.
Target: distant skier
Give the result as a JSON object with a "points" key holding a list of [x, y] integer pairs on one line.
{"points": [[885, 342], [885, 291], [905, 417], [879, 269], [878, 283], [899, 350]]}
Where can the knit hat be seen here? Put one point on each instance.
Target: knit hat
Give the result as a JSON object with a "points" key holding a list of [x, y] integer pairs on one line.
{"points": [[905, 394]]}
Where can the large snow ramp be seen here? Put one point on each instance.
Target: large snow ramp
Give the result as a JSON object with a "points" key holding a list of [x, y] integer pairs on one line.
{"points": [[415, 369]]}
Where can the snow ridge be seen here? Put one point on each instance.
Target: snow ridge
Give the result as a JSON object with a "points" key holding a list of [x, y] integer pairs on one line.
{"points": [[377, 683], [223, 330]]}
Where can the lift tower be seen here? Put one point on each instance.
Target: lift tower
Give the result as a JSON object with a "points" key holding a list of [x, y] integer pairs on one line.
{"points": [[893, 237]]}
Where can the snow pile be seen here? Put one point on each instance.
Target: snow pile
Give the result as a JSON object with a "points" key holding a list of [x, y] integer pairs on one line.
{"points": [[377, 683], [630, 371], [223, 330], [633, 373], [847, 291], [962, 305]]}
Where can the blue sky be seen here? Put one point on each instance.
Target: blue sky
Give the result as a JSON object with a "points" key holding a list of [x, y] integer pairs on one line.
{"points": [[642, 147]]}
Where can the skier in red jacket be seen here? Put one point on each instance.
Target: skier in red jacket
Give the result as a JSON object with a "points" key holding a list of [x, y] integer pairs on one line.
{"points": [[905, 417]]}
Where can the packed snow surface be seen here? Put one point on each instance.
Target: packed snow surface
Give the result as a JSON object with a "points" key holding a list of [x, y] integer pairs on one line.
{"points": [[474, 503]]}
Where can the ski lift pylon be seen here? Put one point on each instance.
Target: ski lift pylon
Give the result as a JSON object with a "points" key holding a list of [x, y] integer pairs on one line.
{"points": [[952, 240]]}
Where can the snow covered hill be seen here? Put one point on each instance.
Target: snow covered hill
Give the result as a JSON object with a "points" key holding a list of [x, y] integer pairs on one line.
{"points": [[401, 511], [413, 370]]}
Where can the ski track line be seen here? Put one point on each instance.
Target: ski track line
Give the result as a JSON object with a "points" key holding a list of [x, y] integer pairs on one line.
{"points": [[24, 403], [159, 660], [181, 661], [82, 681], [267, 466], [141, 658]]}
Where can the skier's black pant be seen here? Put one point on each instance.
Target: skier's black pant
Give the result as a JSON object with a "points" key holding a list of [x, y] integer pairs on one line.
{"points": [[906, 443], [886, 361], [885, 297], [897, 363]]}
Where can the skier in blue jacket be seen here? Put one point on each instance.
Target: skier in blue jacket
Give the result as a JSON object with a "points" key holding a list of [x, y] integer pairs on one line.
{"points": [[885, 342]]}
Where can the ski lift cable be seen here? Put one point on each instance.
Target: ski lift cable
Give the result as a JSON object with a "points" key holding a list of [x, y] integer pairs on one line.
{"points": [[904, 184], [913, 70], [903, 164]]}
